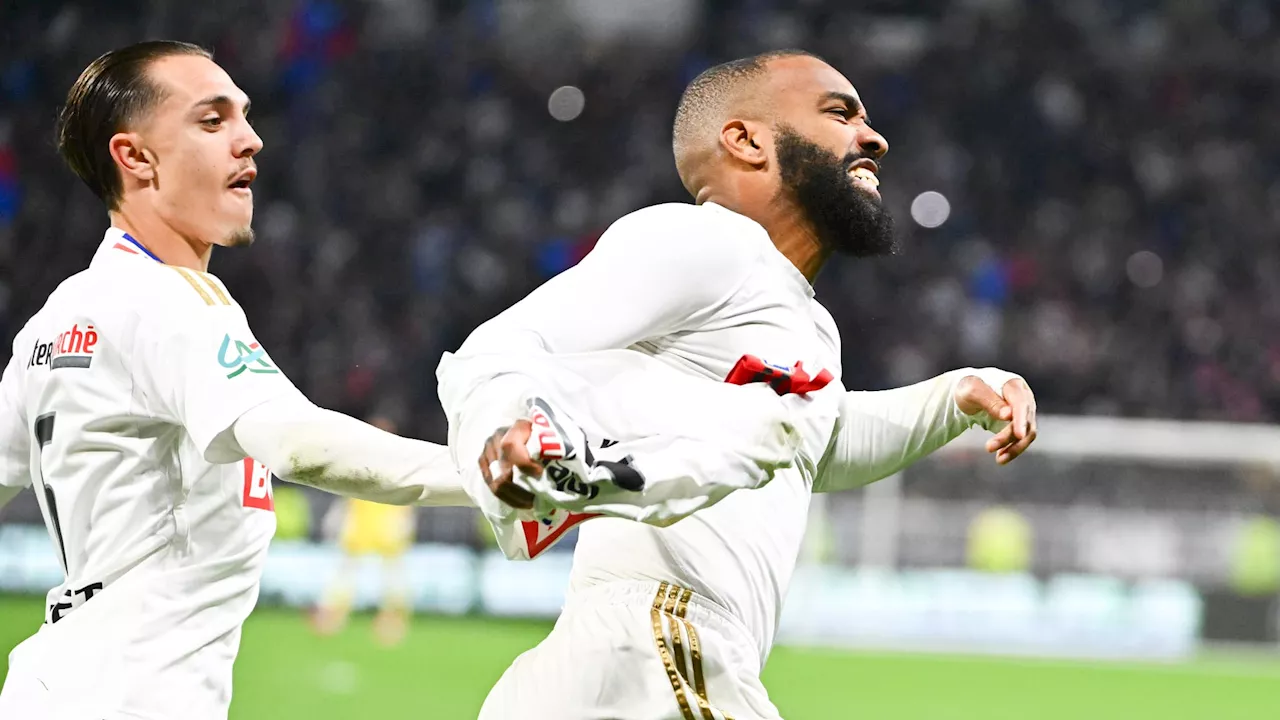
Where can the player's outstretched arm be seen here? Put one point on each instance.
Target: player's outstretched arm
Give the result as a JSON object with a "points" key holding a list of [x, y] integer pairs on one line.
{"points": [[308, 445], [653, 273], [199, 366], [543, 462], [880, 433]]}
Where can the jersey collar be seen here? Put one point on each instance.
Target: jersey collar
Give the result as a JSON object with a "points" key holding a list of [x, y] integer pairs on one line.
{"points": [[120, 244]]}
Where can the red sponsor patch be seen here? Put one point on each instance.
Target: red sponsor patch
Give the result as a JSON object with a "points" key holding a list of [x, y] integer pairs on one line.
{"points": [[539, 537], [257, 486], [784, 381]]}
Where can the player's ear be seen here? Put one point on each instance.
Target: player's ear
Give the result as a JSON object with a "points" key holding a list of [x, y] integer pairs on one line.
{"points": [[135, 161], [747, 141]]}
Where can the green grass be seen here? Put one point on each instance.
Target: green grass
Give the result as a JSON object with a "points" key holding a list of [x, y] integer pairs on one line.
{"points": [[444, 669]]}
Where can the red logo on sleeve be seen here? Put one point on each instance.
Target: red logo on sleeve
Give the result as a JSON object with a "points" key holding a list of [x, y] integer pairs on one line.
{"points": [[257, 486], [70, 349]]}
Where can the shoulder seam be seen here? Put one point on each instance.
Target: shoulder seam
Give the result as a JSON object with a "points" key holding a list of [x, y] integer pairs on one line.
{"points": [[199, 282], [216, 285]]}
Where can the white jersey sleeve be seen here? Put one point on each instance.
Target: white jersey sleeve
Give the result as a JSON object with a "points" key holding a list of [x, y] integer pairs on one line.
{"points": [[14, 432], [879, 433], [330, 451], [202, 370], [653, 273]]}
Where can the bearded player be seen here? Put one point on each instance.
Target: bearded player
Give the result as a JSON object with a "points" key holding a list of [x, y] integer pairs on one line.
{"points": [[664, 619]]}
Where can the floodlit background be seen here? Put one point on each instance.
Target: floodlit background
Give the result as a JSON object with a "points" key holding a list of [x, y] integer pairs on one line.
{"points": [[1088, 192]]}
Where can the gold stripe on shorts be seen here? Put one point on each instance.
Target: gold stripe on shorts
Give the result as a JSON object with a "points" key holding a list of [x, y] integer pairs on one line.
{"points": [[672, 595], [677, 643], [659, 637], [699, 683], [186, 275]]}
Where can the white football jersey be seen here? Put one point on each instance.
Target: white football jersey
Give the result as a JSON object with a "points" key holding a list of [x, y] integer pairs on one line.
{"points": [[704, 290], [116, 409], [742, 551]]}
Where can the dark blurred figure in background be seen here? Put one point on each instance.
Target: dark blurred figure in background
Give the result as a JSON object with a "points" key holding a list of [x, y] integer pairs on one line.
{"points": [[1110, 169]]}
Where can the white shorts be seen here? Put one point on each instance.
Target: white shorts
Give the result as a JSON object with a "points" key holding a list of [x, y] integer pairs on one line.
{"points": [[85, 668], [636, 651], [26, 695]]}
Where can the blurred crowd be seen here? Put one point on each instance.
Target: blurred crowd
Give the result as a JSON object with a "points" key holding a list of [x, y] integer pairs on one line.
{"points": [[1111, 167]]}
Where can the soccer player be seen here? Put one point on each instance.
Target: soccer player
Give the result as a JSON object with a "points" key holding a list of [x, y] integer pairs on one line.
{"points": [[143, 413], [675, 620], [365, 529]]}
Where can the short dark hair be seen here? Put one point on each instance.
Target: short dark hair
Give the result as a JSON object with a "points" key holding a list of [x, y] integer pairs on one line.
{"points": [[113, 92], [703, 100]]}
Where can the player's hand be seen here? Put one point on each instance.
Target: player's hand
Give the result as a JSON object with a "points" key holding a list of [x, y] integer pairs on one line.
{"points": [[506, 450], [1015, 404]]}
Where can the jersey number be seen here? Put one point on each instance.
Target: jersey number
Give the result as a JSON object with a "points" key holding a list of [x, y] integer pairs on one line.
{"points": [[44, 436]]}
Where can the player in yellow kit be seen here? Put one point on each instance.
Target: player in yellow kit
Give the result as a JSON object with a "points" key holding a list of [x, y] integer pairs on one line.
{"points": [[369, 528]]}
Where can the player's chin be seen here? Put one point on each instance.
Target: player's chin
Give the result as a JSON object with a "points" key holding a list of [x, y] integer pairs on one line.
{"points": [[240, 237], [237, 227], [870, 194]]}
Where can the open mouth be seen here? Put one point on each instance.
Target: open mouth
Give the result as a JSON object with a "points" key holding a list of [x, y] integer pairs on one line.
{"points": [[243, 180], [865, 177], [863, 173]]}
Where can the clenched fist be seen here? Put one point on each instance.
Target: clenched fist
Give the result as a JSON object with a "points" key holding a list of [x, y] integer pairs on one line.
{"points": [[504, 451]]}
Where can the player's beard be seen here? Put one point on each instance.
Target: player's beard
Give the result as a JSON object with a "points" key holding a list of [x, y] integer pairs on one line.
{"points": [[846, 218], [242, 237]]}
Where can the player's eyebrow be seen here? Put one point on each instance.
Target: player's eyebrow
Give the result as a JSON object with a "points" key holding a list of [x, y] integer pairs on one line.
{"points": [[216, 100], [852, 101]]}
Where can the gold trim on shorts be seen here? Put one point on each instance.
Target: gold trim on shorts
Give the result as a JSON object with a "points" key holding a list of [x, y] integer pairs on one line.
{"points": [[660, 638], [672, 604]]}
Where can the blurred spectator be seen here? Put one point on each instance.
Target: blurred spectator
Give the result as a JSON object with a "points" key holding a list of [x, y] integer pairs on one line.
{"points": [[1000, 541], [1111, 172]]}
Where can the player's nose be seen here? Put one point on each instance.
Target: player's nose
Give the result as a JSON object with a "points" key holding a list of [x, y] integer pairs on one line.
{"points": [[249, 143], [871, 143]]}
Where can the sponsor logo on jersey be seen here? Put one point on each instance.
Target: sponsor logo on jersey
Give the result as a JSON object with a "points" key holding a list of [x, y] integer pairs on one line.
{"points": [[567, 480], [540, 536], [784, 380], [70, 349], [70, 600], [238, 357], [553, 443], [257, 486], [555, 449]]}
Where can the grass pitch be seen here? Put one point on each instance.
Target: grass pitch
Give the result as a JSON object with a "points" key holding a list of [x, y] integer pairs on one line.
{"points": [[447, 664]]}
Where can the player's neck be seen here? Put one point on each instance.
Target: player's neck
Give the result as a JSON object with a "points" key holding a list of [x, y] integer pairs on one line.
{"points": [[790, 230], [793, 235], [162, 240]]}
